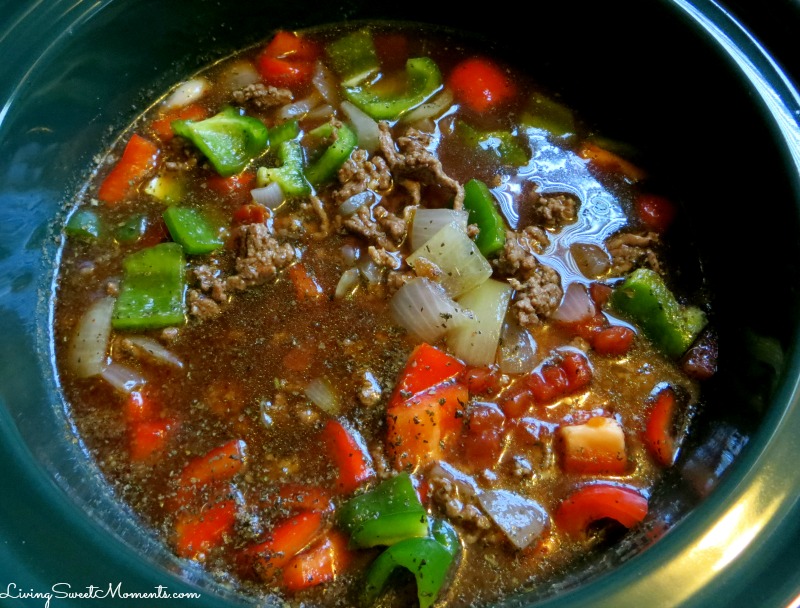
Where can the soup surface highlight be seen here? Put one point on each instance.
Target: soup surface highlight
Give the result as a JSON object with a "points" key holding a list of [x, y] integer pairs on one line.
{"points": [[364, 315]]}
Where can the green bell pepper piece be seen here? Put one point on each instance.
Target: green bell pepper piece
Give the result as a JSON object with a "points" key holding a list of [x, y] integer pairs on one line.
{"points": [[188, 227], [283, 132], [424, 80], [132, 229], [325, 167], [152, 289], [229, 140], [502, 145], [428, 559], [290, 174], [478, 200], [390, 513], [84, 224], [547, 114], [646, 299], [353, 57]]}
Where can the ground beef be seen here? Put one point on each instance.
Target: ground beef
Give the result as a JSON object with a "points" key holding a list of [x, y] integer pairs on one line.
{"points": [[360, 173], [260, 255], [552, 211], [395, 279], [201, 306], [369, 389], [262, 96], [456, 504], [538, 295], [630, 250], [384, 259], [518, 256], [409, 158], [378, 225]]}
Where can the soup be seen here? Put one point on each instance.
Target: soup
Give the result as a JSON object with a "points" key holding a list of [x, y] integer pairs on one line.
{"points": [[366, 316]]}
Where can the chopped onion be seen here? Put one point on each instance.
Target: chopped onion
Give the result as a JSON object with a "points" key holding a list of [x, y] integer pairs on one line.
{"points": [[365, 126], [465, 485], [299, 108], [347, 283], [456, 255], [576, 306], [155, 350], [186, 93], [350, 253], [591, 260], [322, 111], [523, 520], [239, 75], [271, 195], [355, 202], [476, 340], [122, 377], [428, 222], [321, 393], [89, 345], [425, 310], [430, 109], [325, 83], [370, 270], [517, 351]]}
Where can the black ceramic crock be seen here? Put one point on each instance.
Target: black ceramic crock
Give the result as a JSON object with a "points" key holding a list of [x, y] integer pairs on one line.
{"points": [[682, 80]]}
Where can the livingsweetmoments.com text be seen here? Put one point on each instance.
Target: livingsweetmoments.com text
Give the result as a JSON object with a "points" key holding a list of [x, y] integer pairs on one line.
{"points": [[113, 591]]}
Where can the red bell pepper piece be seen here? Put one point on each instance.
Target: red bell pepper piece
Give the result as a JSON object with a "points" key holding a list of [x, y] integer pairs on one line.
{"points": [[196, 533], [481, 84], [139, 406], [596, 447], [218, 465], [427, 366], [605, 160], [250, 213], [348, 452], [418, 427], [659, 435], [286, 540], [600, 501], [149, 437], [288, 61], [233, 184], [162, 126], [319, 564], [297, 497], [138, 159], [306, 287]]}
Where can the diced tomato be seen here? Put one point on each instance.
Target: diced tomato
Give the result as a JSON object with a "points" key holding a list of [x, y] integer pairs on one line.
{"points": [[423, 488], [587, 328], [600, 293], [548, 383], [286, 540], [155, 233], [162, 126], [426, 367], [140, 405], [348, 452], [233, 184], [517, 402], [659, 435], [196, 533], [296, 497], [306, 287], [220, 464], [288, 61], [578, 370], [599, 501], [483, 438], [481, 380], [614, 340], [319, 564], [149, 437], [418, 427], [595, 447], [250, 213], [138, 159], [481, 84], [656, 212], [605, 160]]}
